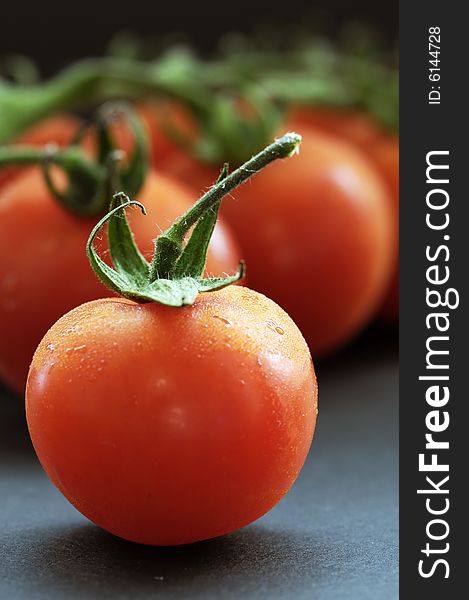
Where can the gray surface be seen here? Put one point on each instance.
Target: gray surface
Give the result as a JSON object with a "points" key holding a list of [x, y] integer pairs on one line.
{"points": [[334, 537]]}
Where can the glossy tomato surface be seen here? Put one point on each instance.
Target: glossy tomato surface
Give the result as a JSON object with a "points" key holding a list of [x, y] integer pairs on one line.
{"points": [[171, 425], [44, 271], [190, 171], [385, 154], [355, 126], [382, 149], [160, 116], [318, 238]]}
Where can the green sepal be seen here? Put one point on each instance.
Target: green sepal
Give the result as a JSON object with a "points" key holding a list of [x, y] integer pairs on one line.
{"points": [[191, 263], [210, 284], [130, 277], [122, 283], [124, 252]]}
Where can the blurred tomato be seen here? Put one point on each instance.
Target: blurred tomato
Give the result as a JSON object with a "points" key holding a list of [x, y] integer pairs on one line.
{"points": [[161, 117], [58, 129], [318, 238], [357, 127], [385, 154], [382, 149], [190, 171]]}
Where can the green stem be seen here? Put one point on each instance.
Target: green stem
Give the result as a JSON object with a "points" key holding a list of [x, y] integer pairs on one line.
{"points": [[314, 75], [168, 244], [71, 159], [20, 155], [88, 82]]}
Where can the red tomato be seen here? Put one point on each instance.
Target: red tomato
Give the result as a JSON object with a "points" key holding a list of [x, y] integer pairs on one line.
{"points": [[355, 126], [59, 129], [166, 155], [157, 116], [168, 426], [43, 267], [382, 150], [190, 171], [318, 238], [385, 155]]}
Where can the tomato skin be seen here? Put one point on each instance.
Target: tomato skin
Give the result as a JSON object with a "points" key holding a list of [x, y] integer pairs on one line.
{"points": [[166, 155], [199, 176], [156, 115], [317, 236], [355, 126], [385, 154], [44, 271], [58, 129], [167, 426], [382, 149]]}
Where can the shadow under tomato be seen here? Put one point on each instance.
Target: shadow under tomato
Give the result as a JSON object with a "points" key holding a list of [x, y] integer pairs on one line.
{"points": [[84, 561]]}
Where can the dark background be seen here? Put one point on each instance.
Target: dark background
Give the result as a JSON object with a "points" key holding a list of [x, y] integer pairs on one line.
{"points": [[55, 32]]}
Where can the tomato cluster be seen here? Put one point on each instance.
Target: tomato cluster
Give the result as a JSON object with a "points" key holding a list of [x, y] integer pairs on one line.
{"points": [[205, 411]]}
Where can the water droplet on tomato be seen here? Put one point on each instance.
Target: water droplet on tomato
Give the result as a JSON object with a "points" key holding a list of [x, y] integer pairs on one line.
{"points": [[273, 325], [224, 320]]}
